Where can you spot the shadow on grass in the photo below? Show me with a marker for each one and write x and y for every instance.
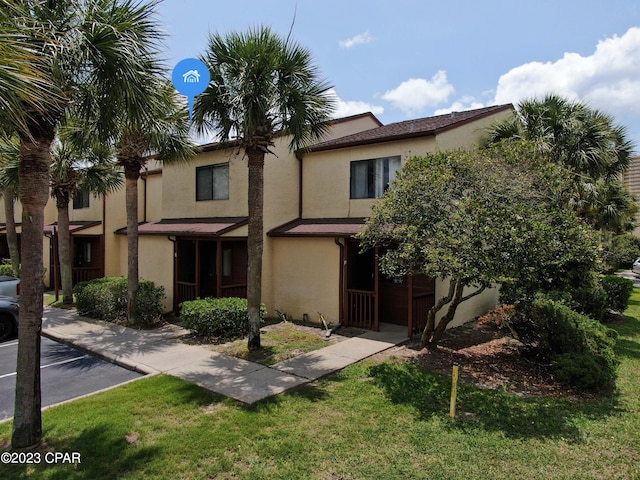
(628, 334)
(489, 410)
(103, 455)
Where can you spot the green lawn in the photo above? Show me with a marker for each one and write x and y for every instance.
(279, 343)
(377, 421)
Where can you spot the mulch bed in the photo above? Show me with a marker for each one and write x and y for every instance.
(488, 359)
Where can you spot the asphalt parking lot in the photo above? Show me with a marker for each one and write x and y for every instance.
(66, 373)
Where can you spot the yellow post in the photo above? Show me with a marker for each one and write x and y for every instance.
(454, 390)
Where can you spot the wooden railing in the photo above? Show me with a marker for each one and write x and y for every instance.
(84, 274)
(186, 291)
(239, 290)
(420, 308)
(361, 309)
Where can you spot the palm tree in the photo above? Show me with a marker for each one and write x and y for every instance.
(584, 140)
(24, 85)
(261, 86)
(164, 135)
(73, 171)
(9, 148)
(100, 56)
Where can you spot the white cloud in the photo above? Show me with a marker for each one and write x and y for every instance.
(609, 79)
(345, 108)
(360, 39)
(416, 94)
(467, 102)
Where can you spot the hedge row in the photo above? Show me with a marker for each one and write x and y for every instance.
(222, 317)
(106, 299)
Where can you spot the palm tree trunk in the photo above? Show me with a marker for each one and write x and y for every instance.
(255, 244)
(12, 236)
(35, 160)
(132, 173)
(64, 248)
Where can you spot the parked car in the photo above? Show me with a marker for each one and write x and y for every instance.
(9, 314)
(9, 286)
(636, 266)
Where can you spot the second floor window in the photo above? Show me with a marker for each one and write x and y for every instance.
(371, 178)
(81, 199)
(212, 182)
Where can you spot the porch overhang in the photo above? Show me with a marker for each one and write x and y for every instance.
(74, 227)
(319, 227)
(193, 227)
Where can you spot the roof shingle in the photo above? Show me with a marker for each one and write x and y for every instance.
(409, 128)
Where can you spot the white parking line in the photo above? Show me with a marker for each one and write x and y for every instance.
(9, 344)
(69, 360)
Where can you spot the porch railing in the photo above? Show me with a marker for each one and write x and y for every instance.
(84, 274)
(186, 291)
(239, 290)
(361, 308)
(420, 308)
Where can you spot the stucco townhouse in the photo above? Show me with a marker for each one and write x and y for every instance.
(194, 223)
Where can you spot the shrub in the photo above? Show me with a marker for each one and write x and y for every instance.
(502, 316)
(584, 371)
(618, 290)
(223, 317)
(591, 302)
(621, 251)
(106, 299)
(6, 269)
(580, 348)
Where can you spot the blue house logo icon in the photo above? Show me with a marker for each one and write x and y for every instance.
(192, 76)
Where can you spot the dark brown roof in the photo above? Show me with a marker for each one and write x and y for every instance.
(208, 147)
(353, 117)
(189, 226)
(409, 128)
(319, 227)
(73, 226)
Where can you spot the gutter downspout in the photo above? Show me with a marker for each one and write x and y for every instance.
(341, 282)
(144, 194)
(299, 157)
(103, 243)
(174, 240)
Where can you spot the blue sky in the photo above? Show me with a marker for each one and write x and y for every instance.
(405, 59)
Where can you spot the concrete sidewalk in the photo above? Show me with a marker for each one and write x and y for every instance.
(160, 351)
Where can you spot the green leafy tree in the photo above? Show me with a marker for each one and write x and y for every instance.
(261, 86)
(477, 218)
(589, 144)
(97, 56)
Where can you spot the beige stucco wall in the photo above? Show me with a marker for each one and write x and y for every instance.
(470, 133)
(469, 309)
(115, 219)
(156, 264)
(306, 277)
(154, 198)
(353, 125)
(179, 188)
(326, 176)
(92, 213)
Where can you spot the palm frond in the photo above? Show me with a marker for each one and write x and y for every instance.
(262, 85)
